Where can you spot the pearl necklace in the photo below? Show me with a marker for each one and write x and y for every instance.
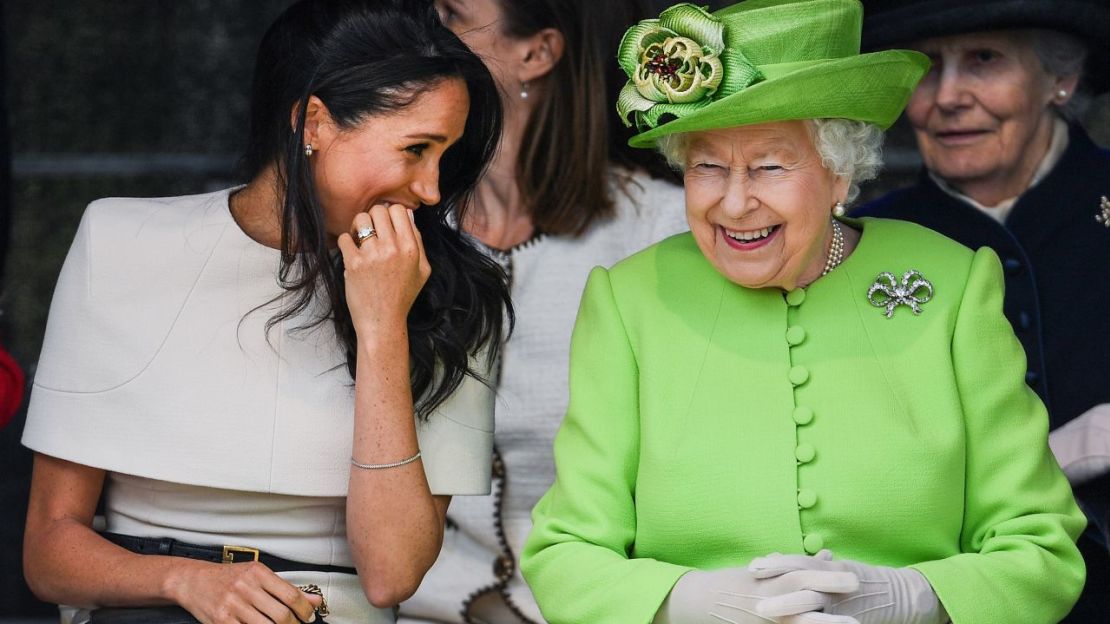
(836, 249)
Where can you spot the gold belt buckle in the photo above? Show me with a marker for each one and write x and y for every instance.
(231, 551)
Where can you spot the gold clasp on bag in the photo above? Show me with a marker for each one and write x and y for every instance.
(231, 551)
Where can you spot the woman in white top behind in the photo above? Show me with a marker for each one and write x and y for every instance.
(239, 371)
(564, 194)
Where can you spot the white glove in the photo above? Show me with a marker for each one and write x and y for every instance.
(1082, 446)
(731, 594)
(885, 595)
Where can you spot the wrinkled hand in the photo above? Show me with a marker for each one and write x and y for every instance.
(384, 275)
(884, 596)
(731, 594)
(1082, 446)
(251, 593)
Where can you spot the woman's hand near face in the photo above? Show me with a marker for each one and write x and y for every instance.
(384, 275)
(394, 524)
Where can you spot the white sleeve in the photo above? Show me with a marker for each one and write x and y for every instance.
(456, 441)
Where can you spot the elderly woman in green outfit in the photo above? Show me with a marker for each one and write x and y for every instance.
(785, 415)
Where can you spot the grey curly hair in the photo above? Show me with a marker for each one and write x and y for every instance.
(1062, 55)
(850, 149)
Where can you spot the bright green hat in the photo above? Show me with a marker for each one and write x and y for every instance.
(758, 61)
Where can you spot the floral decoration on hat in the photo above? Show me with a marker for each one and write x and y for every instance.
(676, 64)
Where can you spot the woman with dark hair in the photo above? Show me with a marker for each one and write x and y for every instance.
(200, 353)
(564, 194)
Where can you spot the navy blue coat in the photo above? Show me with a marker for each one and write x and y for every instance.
(1056, 258)
(1057, 263)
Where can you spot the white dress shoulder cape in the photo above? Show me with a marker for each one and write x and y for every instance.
(157, 367)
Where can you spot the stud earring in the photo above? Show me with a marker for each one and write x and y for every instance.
(524, 90)
(308, 149)
(838, 209)
(1062, 93)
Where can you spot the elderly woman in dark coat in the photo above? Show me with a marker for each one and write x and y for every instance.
(1006, 165)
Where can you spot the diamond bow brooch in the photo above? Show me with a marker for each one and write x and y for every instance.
(888, 293)
(1103, 215)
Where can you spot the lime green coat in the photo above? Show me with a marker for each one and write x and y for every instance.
(710, 424)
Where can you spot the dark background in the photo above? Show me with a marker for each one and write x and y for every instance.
(134, 98)
(104, 98)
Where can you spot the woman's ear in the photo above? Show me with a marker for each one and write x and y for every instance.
(316, 117)
(1064, 89)
(542, 52)
(841, 186)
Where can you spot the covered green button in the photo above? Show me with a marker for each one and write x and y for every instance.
(805, 452)
(796, 297)
(798, 375)
(813, 543)
(803, 415)
(807, 499)
(795, 335)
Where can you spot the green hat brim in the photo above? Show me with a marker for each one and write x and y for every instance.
(871, 87)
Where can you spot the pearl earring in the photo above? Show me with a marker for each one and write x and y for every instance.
(308, 149)
(1062, 93)
(524, 90)
(838, 209)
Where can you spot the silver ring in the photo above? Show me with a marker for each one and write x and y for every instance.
(364, 233)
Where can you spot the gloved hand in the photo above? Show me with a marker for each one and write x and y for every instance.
(1082, 446)
(731, 594)
(885, 595)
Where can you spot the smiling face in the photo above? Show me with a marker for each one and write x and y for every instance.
(391, 158)
(982, 114)
(759, 202)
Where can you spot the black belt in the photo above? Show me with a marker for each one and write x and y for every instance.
(216, 554)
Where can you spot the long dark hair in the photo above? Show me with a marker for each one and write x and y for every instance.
(364, 58)
(574, 133)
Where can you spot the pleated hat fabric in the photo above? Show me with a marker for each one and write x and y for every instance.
(778, 60)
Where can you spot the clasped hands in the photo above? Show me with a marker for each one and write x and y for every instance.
(799, 589)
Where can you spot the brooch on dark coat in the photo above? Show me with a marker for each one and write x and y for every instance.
(887, 292)
(1103, 215)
